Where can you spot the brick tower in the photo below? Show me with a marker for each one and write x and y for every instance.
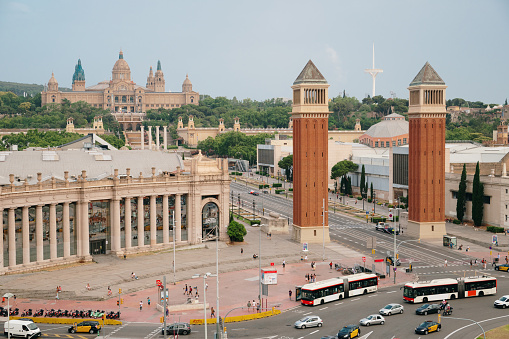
(426, 155)
(310, 115)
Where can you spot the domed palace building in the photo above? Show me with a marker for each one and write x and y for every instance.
(391, 131)
(121, 95)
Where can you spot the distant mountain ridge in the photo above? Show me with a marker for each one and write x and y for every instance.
(20, 88)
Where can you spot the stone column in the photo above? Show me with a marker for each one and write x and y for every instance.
(85, 236)
(115, 227)
(141, 222)
(165, 138)
(127, 223)
(157, 138)
(67, 229)
(178, 217)
(52, 231)
(39, 243)
(142, 137)
(166, 229)
(26, 236)
(2, 238)
(150, 137)
(153, 226)
(12, 237)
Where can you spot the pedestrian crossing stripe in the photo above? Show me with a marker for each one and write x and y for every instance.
(75, 336)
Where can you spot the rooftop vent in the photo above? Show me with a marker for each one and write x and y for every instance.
(50, 156)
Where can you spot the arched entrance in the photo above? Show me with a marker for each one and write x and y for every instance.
(209, 221)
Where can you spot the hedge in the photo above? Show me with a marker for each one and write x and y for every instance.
(390, 206)
(369, 200)
(263, 186)
(359, 198)
(253, 222)
(350, 196)
(378, 219)
(495, 229)
(236, 173)
(456, 221)
(290, 189)
(279, 191)
(277, 185)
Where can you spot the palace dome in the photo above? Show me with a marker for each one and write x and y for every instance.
(187, 81)
(121, 64)
(52, 80)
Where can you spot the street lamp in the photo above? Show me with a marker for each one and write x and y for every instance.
(8, 296)
(239, 204)
(205, 276)
(219, 334)
(374, 202)
(260, 266)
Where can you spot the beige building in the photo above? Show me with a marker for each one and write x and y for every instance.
(59, 207)
(121, 95)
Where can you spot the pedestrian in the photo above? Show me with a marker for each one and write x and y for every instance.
(241, 250)
(306, 276)
(185, 290)
(167, 311)
(212, 312)
(284, 263)
(330, 265)
(445, 263)
(258, 307)
(506, 259)
(88, 287)
(15, 303)
(290, 294)
(190, 291)
(148, 301)
(109, 290)
(196, 293)
(141, 305)
(470, 262)
(475, 261)
(248, 305)
(206, 286)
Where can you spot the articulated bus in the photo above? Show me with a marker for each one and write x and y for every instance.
(325, 291)
(449, 288)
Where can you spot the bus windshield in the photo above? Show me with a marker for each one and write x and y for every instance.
(308, 295)
(408, 292)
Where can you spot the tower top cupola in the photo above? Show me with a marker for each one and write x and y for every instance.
(79, 73)
(427, 92)
(187, 86)
(52, 83)
(310, 91)
(310, 75)
(158, 65)
(121, 70)
(427, 76)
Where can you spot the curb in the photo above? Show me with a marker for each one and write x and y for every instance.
(69, 321)
(238, 318)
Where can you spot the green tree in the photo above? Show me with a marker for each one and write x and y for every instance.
(477, 198)
(236, 231)
(341, 168)
(363, 182)
(462, 190)
(372, 192)
(287, 164)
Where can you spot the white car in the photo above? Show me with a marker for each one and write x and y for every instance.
(309, 321)
(373, 319)
(503, 302)
(391, 309)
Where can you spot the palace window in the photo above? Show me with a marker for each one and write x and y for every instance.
(116, 99)
(131, 99)
(124, 99)
(393, 142)
(376, 143)
(399, 142)
(404, 141)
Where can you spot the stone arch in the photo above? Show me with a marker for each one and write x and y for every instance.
(210, 217)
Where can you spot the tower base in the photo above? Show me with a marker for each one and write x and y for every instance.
(427, 230)
(310, 234)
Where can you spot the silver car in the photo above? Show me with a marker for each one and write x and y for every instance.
(391, 309)
(309, 321)
(373, 319)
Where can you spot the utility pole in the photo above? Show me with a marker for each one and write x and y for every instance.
(164, 304)
(395, 254)
(174, 243)
(219, 333)
(323, 228)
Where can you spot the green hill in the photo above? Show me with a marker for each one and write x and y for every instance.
(19, 88)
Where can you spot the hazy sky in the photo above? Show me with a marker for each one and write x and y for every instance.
(256, 49)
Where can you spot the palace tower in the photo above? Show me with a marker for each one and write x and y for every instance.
(426, 155)
(310, 116)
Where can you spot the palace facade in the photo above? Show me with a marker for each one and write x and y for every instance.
(120, 94)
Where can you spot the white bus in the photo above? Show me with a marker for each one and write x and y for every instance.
(449, 288)
(321, 292)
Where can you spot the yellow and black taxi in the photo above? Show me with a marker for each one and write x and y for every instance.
(88, 326)
(427, 327)
(349, 331)
(503, 267)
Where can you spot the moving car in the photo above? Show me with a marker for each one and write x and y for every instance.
(502, 302)
(503, 267)
(178, 328)
(349, 331)
(428, 308)
(374, 319)
(381, 226)
(254, 193)
(427, 327)
(88, 326)
(309, 321)
(390, 260)
(391, 309)
(391, 230)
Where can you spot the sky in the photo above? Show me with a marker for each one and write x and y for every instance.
(256, 49)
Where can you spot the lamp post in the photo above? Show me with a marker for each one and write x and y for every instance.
(260, 266)
(374, 202)
(8, 296)
(323, 228)
(232, 202)
(239, 203)
(205, 276)
(219, 333)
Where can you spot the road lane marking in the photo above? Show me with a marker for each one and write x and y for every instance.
(355, 299)
(391, 292)
(324, 308)
(338, 303)
(307, 313)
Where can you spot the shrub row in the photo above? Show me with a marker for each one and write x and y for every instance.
(277, 185)
(279, 191)
(263, 186)
(378, 219)
(495, 229)
(456, 221)
(254, 222)
(236, 173)
(290, 189)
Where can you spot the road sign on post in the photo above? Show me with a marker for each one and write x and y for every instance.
(364, 259)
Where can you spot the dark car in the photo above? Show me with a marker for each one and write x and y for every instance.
(178, 328)
(88, 326)
(503, 267)
(254, 193)
(428, 309)
(349, 331)
(391, 230)
(427, 327)
(390, 261)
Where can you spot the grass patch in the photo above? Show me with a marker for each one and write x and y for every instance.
(501, 332)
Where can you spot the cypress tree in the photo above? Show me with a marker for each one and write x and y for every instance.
(350, 186)
(477, 198)
(462, 191)
(363, 179)
(371, 189)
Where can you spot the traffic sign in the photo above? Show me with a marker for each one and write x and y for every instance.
(379, 260)
(364, 259)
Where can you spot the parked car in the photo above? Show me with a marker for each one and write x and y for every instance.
(349, 331)
(427, 327)
(428, 309)
(374, 319)
(309, 321)
(391, 309)
(178, 328)
(502, 302)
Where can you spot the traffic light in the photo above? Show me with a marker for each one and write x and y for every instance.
(397, 255)
(119, 291)
(122, 301)
(118, 303)
(372, 251)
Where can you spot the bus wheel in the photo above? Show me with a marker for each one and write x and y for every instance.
(481, 294)
(453, 297)
(365, 292)
(425, 299)
(322, 302)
